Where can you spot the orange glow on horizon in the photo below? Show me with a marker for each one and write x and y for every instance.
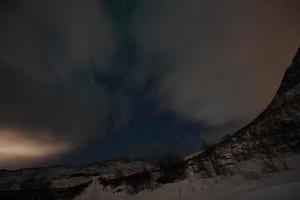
(14, 145)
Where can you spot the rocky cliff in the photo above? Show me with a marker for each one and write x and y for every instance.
(265, 141)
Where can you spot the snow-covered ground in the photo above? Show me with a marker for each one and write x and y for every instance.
(97, 192)
(93, 192)
(284, 185)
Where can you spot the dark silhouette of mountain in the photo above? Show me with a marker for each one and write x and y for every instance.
(274, 133)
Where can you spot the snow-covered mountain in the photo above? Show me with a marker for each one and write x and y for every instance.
(265, 141)
(64, 182)
(258, 161)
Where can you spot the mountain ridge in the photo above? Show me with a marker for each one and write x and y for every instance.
(274, 131)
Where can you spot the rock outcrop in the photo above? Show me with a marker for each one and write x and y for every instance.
(265, 141)
(64, 182)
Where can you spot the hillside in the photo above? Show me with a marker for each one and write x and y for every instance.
(266, 140)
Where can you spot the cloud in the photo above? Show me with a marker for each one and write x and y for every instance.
(17, 148)
(217, 63)
(227, 58)
(59, 37)
(47, 51)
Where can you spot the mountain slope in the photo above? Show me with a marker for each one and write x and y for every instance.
(275, 132)
(63, 182)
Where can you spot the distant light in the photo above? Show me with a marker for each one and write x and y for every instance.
(15, 145)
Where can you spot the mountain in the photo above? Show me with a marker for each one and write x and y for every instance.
(63, 182)
(268, 145)
(266, 140)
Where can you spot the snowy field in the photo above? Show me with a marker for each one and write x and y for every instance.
(279, 186)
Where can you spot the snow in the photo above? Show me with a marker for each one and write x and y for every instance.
(286, 191)
(97, 192)
(93, 192)
(277, 186)
(285, 185)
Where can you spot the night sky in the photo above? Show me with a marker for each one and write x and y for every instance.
(88, 80)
